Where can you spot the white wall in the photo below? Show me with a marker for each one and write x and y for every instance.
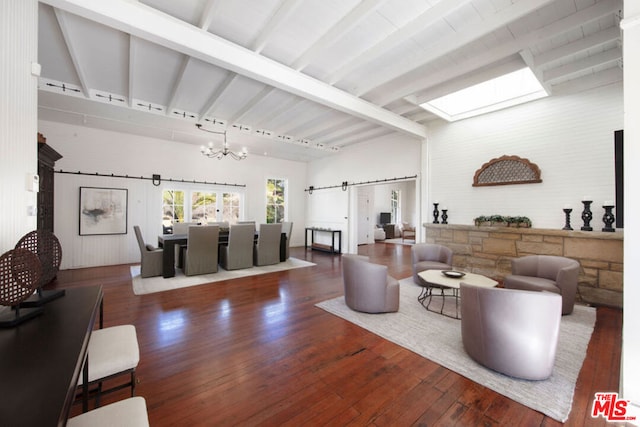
(571, 139)
(92, 150)
(18, 124)
(630, 371)
(384, 158)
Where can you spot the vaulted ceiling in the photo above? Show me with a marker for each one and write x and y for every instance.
(301, 79)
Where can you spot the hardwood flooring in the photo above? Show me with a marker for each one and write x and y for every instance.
(255, 351)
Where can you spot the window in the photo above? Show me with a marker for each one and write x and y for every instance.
(505, 91)
(172, 207)
(231, 207)
(395, 206)
(276, 197)
(203, 206)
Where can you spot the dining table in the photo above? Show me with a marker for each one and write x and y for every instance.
(168, 243)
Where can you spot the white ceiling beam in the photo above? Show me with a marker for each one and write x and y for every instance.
(209, 12)
(251, 104)
(411, 83)
(594, 40)
(417, 25)
(442, 47)
(62, 19)
(147, 23)
(204, 23)
(132, 62)
(343, 26)
(562, 72)
(173, 98)
(284, 11)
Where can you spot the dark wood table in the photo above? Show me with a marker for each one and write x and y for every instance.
(41, 360)
(323, 247)
(168, 242)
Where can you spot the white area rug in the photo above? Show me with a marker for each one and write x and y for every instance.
(439, 339)
(150, 285)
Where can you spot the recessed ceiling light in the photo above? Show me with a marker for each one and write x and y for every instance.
(505, 91)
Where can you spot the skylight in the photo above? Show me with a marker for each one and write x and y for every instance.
(505, 91)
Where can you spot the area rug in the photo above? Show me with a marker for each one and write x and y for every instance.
(150, 285)
(439, 339)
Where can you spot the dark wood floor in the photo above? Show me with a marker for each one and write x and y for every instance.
(255, 351)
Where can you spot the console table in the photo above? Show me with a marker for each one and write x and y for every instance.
(42, 358)
(322, 247)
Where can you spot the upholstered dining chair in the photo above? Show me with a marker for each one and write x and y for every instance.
(429, 256)
(267, 249)
(150, 257)
(287, 228)
(131, 412)
(181, 228)
(368, 286)
(238, 252)
(201, 255)
(546, 273)
(514, 332)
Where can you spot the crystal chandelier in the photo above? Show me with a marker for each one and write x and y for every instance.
(219, 153)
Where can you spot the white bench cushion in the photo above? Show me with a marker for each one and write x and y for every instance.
(131, 412)
(112, 350)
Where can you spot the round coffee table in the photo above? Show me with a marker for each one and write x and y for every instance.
(436, 279)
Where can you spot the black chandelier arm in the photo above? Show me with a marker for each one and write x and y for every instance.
(199, 126)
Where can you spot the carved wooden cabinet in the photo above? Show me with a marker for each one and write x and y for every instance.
(47, 158)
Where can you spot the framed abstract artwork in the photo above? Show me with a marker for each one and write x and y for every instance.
(103, 211)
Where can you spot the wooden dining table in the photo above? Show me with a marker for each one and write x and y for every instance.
(168, 243)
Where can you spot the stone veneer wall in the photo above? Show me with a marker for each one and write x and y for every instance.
(489, 251)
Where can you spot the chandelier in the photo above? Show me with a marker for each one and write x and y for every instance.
(219, 153)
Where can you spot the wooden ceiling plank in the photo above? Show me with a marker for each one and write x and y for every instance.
(361, 137)
(251, 104)
(407, 86)
(286, 8)
(564, 71)
(603, 78)
(293, 103)
(443, 47)
(343, 26)
(215, 96)
(591, 41)
(414, 27)
(332, 127)
(63, 22)
(304, 127)
(145, 22)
